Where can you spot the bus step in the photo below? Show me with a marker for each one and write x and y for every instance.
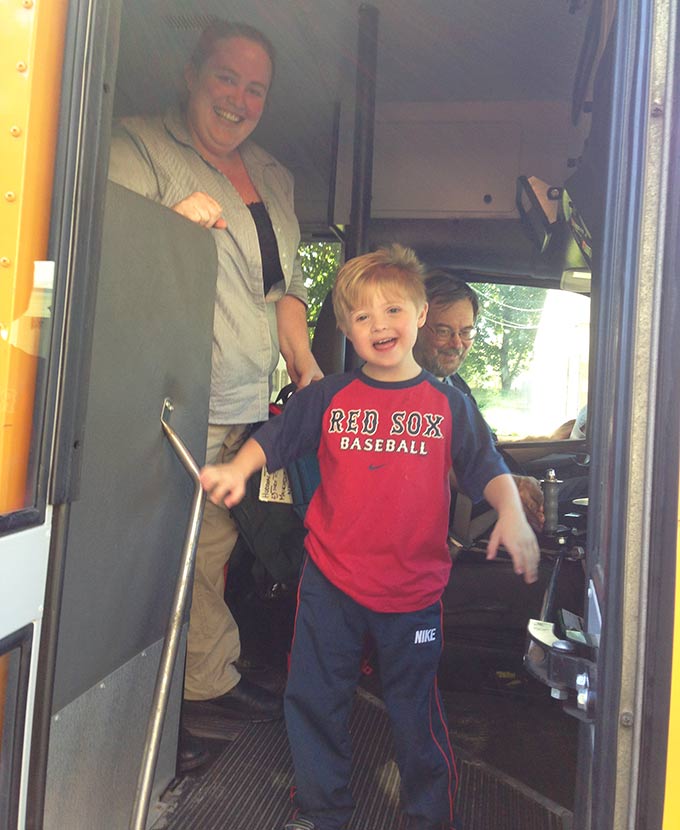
(248, 786)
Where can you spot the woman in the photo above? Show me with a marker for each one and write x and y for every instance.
(200, 161)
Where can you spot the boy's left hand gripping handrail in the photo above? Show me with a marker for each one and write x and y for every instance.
(169, 655)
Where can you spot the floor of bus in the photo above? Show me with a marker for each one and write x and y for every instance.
(516, 755)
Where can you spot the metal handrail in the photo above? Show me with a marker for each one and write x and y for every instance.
(166, 668)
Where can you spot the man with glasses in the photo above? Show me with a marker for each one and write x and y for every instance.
(442, 346)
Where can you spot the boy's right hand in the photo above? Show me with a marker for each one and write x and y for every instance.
(223, 483)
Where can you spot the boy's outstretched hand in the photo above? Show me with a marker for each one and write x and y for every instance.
(223, 483)
(226, 483)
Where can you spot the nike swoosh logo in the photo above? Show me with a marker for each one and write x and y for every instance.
(375, 466)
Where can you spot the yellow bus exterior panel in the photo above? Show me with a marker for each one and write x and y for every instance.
(671, 814)
(31, 56)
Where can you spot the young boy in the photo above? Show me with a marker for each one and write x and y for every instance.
(377, 561)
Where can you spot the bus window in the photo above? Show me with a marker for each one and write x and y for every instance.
(30, 108)
(320, 262)
(23, 352)
(15, 652)
(528, 368)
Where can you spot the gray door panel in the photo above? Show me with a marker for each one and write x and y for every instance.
(152, 340)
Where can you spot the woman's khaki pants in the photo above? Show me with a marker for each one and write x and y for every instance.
(213, 644)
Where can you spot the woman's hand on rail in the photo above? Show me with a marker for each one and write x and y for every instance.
(201, 209)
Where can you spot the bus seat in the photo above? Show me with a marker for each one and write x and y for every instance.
(328, 343)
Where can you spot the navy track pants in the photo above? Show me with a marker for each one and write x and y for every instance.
(330, 630)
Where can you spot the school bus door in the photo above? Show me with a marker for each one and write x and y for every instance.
(95, 503)
(620, 689)
(31, 44)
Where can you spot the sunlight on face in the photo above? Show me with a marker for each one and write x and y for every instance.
(444, 357)
(383, 329)
(227, 95)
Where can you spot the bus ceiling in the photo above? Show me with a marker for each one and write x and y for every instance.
(468, 98)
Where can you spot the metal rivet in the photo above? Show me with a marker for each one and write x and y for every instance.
(10, 196)
(22, 66)
(657, 109)
(102, 685)
(56, 717)
(626, 719)
(15, 131)
(27, 4)
(5, 262)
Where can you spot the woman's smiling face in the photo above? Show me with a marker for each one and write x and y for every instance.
(227, 95)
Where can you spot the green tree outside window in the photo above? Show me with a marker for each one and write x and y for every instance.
(508, 320)
(320, 262)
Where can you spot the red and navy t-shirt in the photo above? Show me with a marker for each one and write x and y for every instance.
(377, 524)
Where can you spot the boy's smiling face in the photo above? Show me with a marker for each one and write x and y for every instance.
(383, 329)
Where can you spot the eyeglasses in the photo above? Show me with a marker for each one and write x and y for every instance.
(444, 333)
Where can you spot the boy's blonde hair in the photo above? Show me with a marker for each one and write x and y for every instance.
(394, 267)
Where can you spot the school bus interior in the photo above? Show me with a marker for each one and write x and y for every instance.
(483, 124)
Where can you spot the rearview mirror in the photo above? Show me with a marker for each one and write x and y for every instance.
(538, 204)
